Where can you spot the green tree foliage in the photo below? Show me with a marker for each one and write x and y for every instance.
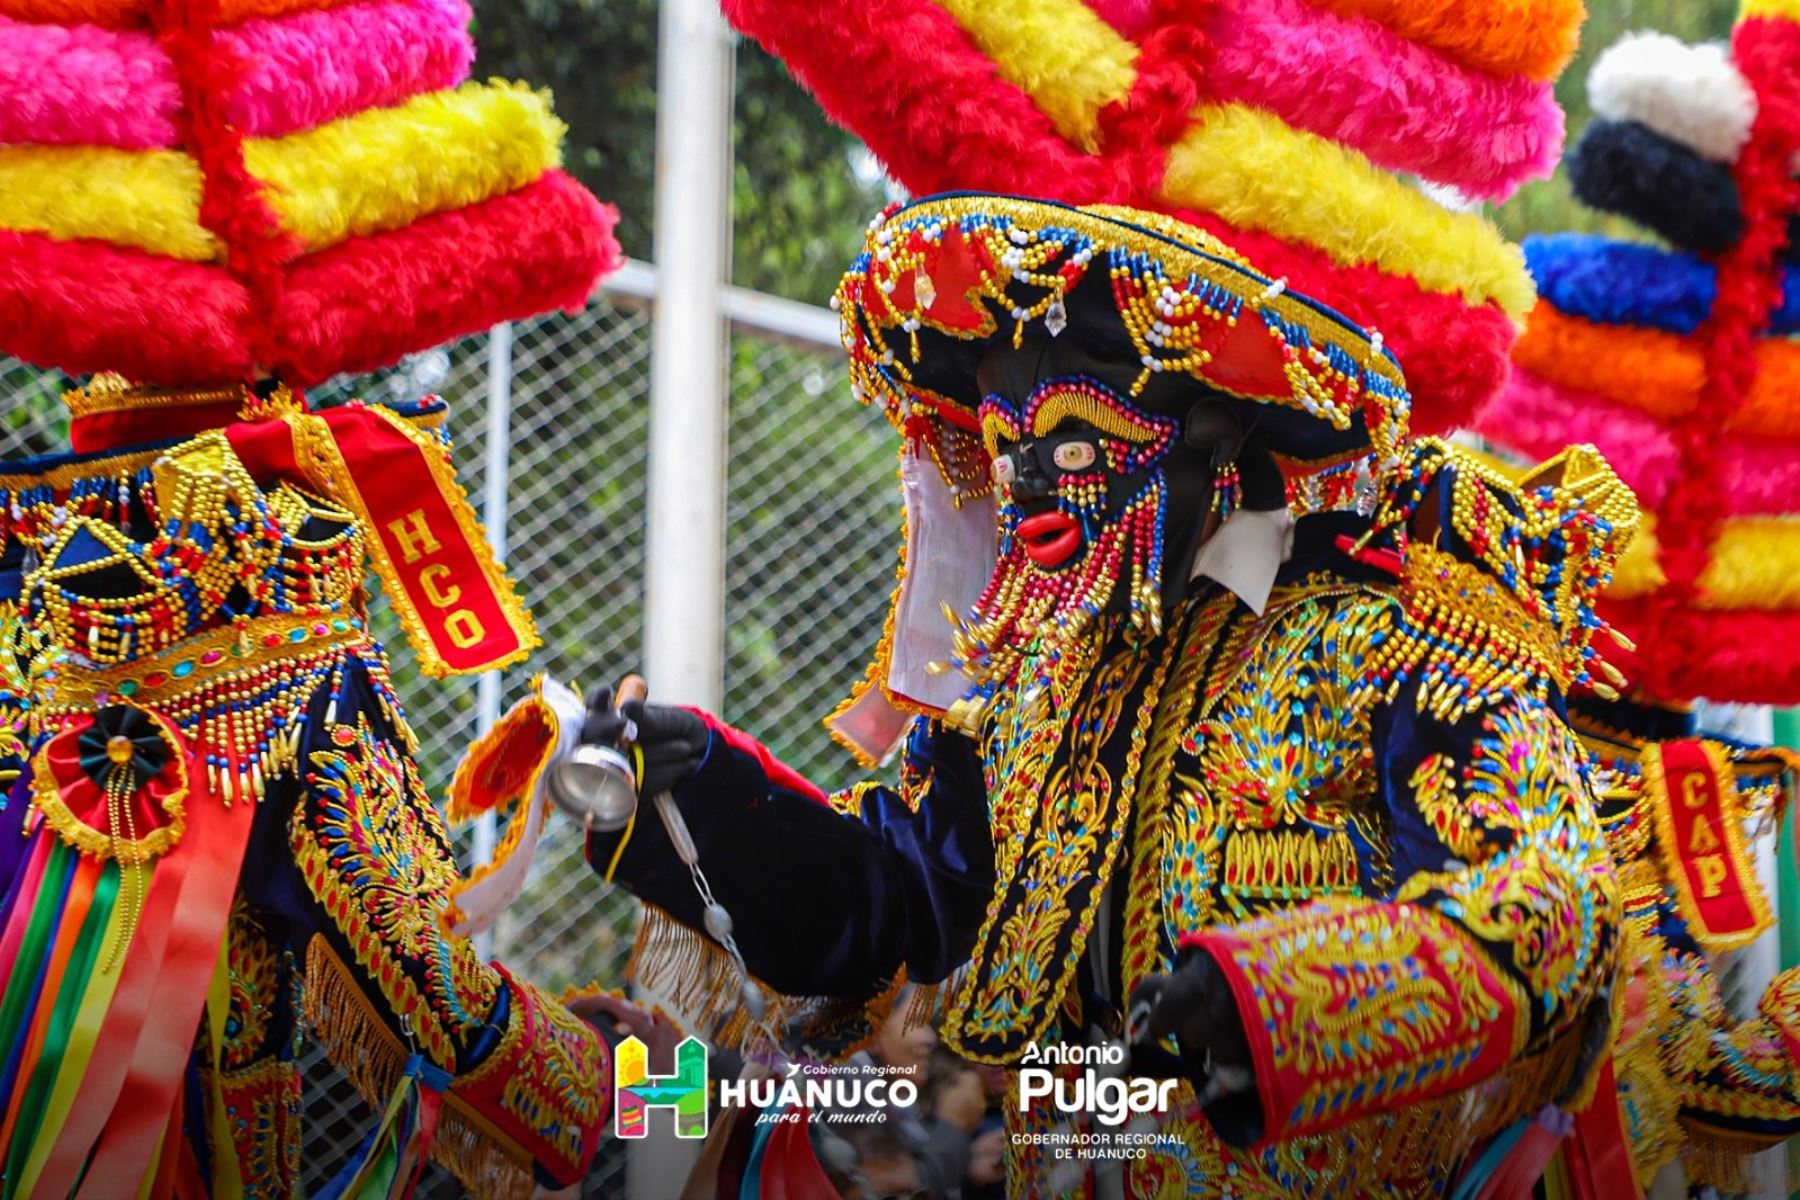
(799, 204)
(599, 57)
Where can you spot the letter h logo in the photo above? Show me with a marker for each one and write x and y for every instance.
(636, 1091)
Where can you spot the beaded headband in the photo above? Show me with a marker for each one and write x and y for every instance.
(944, 279)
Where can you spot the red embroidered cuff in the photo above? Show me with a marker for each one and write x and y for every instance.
(1355, 1009)
(546, 1088)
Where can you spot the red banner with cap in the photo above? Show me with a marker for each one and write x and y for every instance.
(1699, 828)
(440, 575)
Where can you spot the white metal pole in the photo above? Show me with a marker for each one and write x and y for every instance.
(684, 604)
(495, 482)
(1758, 963)
(684, 584)
(1768, 1170)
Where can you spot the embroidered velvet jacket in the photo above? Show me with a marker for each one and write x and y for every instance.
(1412, 899)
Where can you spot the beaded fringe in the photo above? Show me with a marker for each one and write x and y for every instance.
(360, 1045)
(1461, 662)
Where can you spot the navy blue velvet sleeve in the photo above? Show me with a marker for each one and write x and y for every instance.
(826, 899)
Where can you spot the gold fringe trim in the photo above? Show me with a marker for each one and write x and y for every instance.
(476, 1152)
(1443, 1130)
(694, 977)
(1719, 1162)
(924, 1004)
(471, 793)
(360, 1044)
(470, 798)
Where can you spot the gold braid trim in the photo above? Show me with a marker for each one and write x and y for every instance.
(107, 393)
(360, 1044)
(1145, 923)
(221, 655)
(850, 801)
(62, 477)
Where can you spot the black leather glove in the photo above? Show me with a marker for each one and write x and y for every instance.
(1196, 1006)
(673, 740)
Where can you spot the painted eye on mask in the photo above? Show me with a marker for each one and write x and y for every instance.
(1002, 469)
(1073, 456)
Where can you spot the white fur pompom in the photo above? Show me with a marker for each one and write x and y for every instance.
(1691, 94)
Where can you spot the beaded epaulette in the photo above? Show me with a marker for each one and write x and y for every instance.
(1497, 578)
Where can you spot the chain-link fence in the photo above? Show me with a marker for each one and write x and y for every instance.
(813, 526)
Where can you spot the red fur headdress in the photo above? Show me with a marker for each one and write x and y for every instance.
(1280, 126)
